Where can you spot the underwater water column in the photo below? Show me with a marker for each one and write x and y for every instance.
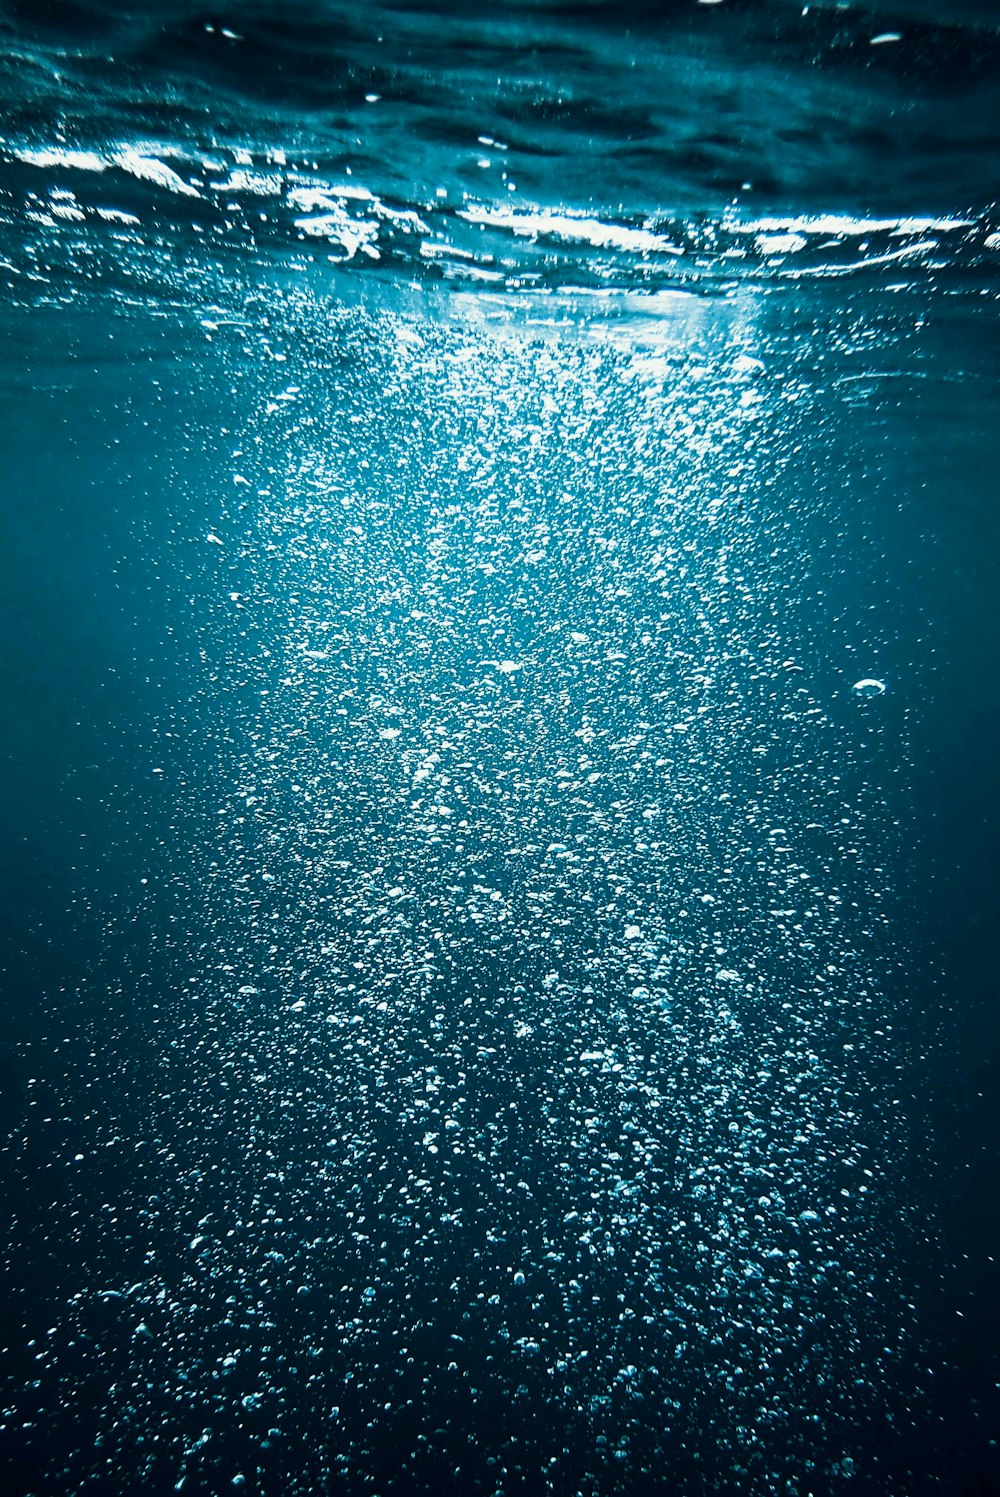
(500, 726)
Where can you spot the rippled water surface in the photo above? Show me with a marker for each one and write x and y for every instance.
(500, 726)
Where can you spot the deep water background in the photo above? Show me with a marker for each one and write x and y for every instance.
(336, 993)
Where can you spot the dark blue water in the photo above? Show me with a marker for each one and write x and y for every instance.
(500, 728)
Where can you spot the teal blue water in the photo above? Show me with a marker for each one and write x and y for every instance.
(500, 726)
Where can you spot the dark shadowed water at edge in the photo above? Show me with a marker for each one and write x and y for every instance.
(500, 725)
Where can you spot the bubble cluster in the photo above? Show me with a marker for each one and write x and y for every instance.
(519, 1103)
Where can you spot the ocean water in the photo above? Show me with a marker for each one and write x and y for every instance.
(500, 723)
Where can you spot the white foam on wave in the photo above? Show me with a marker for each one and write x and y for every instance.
(56, 156)
(152, 169)
(841, 225)
(540, 223)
